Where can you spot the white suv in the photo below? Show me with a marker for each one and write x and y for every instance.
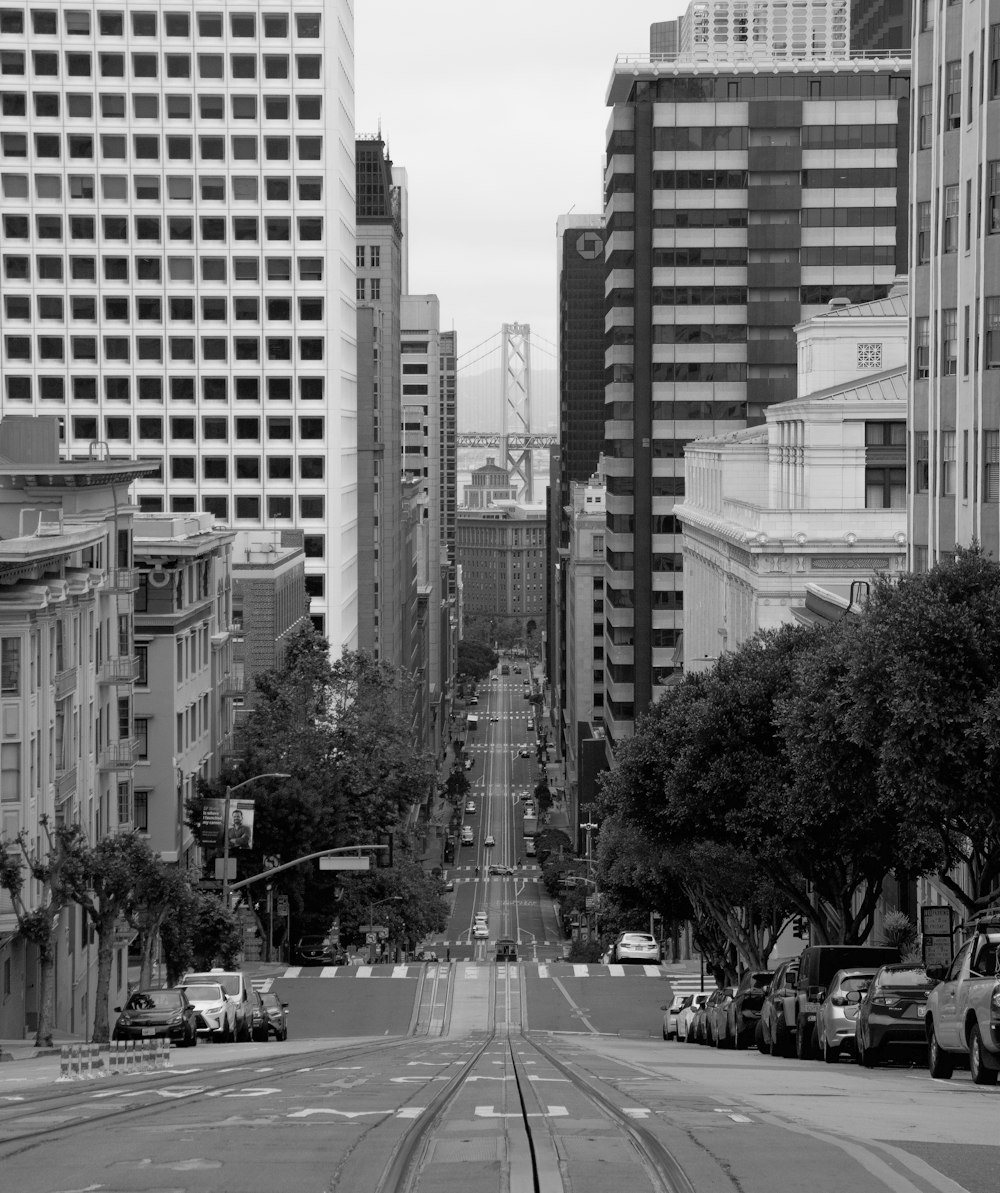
(236, 986)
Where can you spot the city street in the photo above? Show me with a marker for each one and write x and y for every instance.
(568, 1055)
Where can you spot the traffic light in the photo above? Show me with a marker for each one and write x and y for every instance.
(800, 927)
(384, 856)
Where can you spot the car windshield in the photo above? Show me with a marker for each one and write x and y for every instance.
(311, 942)
(907, 979)
(205, 993)
(858, 981)
(152, 1000)
(636, 938)
(760, 980)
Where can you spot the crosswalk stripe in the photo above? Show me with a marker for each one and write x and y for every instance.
(680, 983)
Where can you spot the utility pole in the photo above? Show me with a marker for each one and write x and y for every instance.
(225, 826)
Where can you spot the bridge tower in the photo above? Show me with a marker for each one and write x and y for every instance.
(517, 443)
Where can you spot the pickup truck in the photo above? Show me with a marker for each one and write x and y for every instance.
(962, 1019)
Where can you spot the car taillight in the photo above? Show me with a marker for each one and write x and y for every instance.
(995, 1003)
(885, 1000)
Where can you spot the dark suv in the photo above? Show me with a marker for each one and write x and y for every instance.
(817, 965)
(743, 1012)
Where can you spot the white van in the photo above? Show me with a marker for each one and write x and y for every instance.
(467, 834)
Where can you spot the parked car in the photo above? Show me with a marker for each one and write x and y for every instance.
(636, 946)
(215, 1011)
(158, 1015)
(890, 1018)
(717, 1020)
(686, 1016)
(425, 955)
(963, 1007)
(277, 1015)
(743, 1012)
(838, 1009)
(470, 805)
(313, 950)
(817, 966)
(259, 1030)
(671, 1011)
(776, 1030)
(531, 722)
(236, 985)
(703, 1019)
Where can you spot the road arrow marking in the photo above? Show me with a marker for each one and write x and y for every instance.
(410, 1112)
(248, 1091)
(561, 1080)
(489, 1112)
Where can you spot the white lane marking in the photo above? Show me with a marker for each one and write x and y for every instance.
(616, 971)
(11, 1098)
(365, 971)
(737, 1118)
(338, 1113)
(578, 1011)
(652, 971)
(505, 1077)
(248, 1091)
(581, 971)
(543, 971)
(399, 971)
(419, 1080)
(293, 971)
(560, 1080)
(636, 1111)
(410, 1112)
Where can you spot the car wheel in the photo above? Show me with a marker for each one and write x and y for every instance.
(830, 1055)
(761, 1040)
(939, 1064)
(666, 1034)
(869, 1056)
(804, 1040)
(980, 1074)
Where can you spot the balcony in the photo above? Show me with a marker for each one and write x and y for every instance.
(119, 755)
(122, 669)
(65, 684)
(122, 580)
(234, 686)
(65, 784)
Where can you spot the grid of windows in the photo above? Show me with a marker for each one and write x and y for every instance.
(163, 241)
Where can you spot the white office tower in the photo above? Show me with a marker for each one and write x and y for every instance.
(734, 29)
(177, 236)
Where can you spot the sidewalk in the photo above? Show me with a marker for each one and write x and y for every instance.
(432, 833)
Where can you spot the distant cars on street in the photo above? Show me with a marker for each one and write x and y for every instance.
(672, 1011)
(686, 1016)
(744, 1010)
(215, 1011)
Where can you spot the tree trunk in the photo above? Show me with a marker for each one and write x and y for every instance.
(105, 955)
(46, 983)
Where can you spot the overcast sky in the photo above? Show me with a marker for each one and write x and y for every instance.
(497, 113)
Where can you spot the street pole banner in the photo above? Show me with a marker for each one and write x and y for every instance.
(239, 829)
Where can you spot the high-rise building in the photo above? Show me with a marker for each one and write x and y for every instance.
(379, 263)
(178, 241)
(954, 403)
(740, 200)
(428, 379)
(580, 351)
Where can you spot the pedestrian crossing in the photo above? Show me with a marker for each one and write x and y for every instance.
(474, 970)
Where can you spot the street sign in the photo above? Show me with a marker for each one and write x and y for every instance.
(344, 863)
(220, 863)
(282, 905)
(369, 938)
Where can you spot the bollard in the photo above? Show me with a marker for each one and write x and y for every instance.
(64, 1073)
(74, 1060)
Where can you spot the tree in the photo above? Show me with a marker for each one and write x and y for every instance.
(476, 659)
(103, 879)
(204, 934)
(339, 729)
(164, 896)
(37, 925)
(926, 681)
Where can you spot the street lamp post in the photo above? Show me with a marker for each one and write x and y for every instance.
(588, 828)
(225, 826)
(371, 921)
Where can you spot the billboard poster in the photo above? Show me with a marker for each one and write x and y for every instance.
(240, 827)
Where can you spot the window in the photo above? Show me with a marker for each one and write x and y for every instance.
(950, 224)
(309, 107)
(248, 507)
(279, 507)
(311, 506)
(10, 772)
(991, 465)
(948, 462)
(926, 109)
(994, 61)
(276, 26)
(307, 24)
(10, 666)
(949, 341)
(308, 66)
(991, 325)
(923, 233)
(359, 289)
(276, 107)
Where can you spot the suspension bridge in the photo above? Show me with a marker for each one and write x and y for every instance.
(496, 384)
